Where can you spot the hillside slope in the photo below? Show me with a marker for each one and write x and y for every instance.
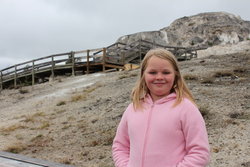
(73, 120)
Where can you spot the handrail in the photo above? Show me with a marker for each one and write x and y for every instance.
(88, 56)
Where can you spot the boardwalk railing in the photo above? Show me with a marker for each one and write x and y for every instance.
(51, 64)
(85, 61)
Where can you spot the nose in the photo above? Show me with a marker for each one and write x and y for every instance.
(159, 76)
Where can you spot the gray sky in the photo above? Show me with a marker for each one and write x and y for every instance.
(30, 29)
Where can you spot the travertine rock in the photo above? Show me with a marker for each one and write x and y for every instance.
(205, 29)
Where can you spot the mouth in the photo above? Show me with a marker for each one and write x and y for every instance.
(159, 83)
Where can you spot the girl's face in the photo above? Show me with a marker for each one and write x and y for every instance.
(159, 77)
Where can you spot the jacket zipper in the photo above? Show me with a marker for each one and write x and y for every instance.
(146, 135)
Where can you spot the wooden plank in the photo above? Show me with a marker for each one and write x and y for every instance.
(90, 50)
(115, 66)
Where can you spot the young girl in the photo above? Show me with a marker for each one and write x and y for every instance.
(162, 127)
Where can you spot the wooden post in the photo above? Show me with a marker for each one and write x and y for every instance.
(1, 79)
(52, 67)
(15, 77)
(33, 73)
(87, 61)
(73, 62)
(140, 50)
(104, 59)
(123, 58)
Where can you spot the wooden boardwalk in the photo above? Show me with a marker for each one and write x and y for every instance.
(15, 160)
(115, 56)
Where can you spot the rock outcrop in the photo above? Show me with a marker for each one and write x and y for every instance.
(205, 29)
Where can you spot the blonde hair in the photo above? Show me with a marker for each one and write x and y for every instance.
(179, 87)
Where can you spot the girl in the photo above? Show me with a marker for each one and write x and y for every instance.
(162, 127)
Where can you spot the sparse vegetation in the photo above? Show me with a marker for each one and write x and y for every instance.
(11, 128)
(60, 111)
(23, 91)
(15, 148)
(76, 98)
(190, 77)
(127, 75)
(36, 138)
(237, 115)
(32, 118)
(44, 125)
(240, 70)
(123, 76)
(65, 160)
(207, 80)
(223, 74)
(204, 110)
(92, 88)
(61, 103)
(29, 118)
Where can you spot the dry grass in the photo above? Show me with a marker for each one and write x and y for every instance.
(190, 77)
(44, 125)
(127, 75)
(40, 141)
(11, 128)
(76, 98)
(15, 148)
(240, 115)
(36, 138)
(60, 103)
(207, 80)
(204, 110)
(32, 118)
(66, 160)
(60, 111)
(23, 91)
(223, 74)
(86, 92)
(92, 88)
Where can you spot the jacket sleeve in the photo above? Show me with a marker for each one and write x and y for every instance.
(121, 143)
(195, 133)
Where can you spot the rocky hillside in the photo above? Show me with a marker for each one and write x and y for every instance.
(205, 29)
(73, 120)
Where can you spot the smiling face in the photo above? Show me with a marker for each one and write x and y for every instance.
(159, 77)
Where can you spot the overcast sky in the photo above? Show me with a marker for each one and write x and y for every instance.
(30, 29)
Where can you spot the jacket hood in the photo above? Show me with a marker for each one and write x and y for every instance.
(148, 99)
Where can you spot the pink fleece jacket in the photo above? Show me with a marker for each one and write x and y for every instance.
(161, 135)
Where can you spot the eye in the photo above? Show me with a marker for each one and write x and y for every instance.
(152, 72)
(166, 72)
